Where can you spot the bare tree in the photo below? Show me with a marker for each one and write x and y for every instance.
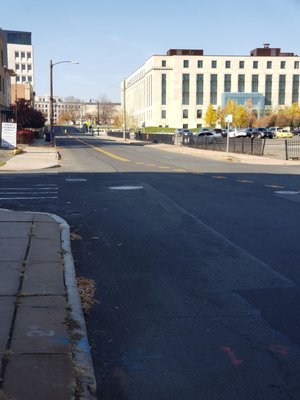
(106, 110)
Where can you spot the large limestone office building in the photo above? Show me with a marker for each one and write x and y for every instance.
(175, 90)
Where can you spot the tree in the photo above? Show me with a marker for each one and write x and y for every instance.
(106, 110)
(27, 117)
(210, 116)
(241, 116)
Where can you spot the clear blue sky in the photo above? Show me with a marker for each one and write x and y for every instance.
(111, 39)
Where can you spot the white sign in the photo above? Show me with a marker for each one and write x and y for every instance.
(9, 135)
(228, 118)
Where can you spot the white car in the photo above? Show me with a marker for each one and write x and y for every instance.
(237, 133)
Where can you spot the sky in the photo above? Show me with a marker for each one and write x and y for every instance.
(112, 39)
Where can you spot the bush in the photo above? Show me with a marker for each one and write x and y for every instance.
(25, 136)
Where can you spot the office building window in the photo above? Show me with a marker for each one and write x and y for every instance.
(163, 114)
(281, 94)
(18, 79)
(199, 113)
(23, 67)
(17, 54)
(227, 83)
(22, 54)
(269, 64)
(282, 64)
(255, 64)
(185, 88)
(185, 126)
(28, 55)
(295, 90)
(227, 64)
(164, 63)
(214, 64)
(268, 90)
(213, 88)
(185, 113)
(17, 67)
(296, 65)
(29, 79)
(164, 89)
(185, 63)
(23, 79)
(199, 89)
(29, 67)
(242, 64)
(241, 83)
(254, 84)
(200, 63)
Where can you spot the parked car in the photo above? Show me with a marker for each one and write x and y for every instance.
(234, 133)
(210, 136)
(296, 131)
(185, 134)
(265, 133)
(283, 133)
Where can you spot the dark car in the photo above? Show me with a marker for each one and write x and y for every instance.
(296, 131)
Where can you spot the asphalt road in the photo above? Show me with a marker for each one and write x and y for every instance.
(195, 262)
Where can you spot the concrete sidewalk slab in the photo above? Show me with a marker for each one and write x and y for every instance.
(10, 272)
(33, 158)
(44, 351)
(40, 377)
(43, 278)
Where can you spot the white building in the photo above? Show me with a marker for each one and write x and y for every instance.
(80, 111)
(175, 90)
(20, 60)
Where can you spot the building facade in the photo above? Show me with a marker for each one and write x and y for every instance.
(20, 60)
(80, 111)
(175, 90)
(5, 78)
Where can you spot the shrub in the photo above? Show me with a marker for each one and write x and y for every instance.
(25, 136)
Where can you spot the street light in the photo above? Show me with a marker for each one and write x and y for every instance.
(124, 109)
(51, 94)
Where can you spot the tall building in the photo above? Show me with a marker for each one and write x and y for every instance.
(5, 77)
(20, 60)
(175, 90)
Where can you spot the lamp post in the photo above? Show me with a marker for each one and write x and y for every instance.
(98, 113)
(124, 109)
(51, 95)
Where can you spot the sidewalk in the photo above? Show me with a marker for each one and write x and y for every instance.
(40, 155)
(44, 350)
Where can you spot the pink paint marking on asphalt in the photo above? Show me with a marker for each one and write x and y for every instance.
(283, 350)
(232, 356)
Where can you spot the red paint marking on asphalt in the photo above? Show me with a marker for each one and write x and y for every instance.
(232, 357)
(280, 350)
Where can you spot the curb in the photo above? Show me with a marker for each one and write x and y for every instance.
(82, 355)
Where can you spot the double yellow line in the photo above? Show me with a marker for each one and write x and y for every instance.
(107, 153)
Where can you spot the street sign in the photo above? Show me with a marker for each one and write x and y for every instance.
(9, 135)
(228, 118)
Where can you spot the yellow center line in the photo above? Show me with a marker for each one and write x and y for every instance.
(140, 163)
(107, 153)
(180, 170)
(164, 167)
(151, 165)
(219, 177)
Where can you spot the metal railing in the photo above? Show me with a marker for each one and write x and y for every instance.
(236, 145)
(292, 149)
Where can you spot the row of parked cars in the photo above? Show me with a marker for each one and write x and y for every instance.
(213, 135)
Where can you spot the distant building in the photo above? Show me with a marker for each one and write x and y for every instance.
(80, 111)
(175, 90)
(20, 59)
(5, 77)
